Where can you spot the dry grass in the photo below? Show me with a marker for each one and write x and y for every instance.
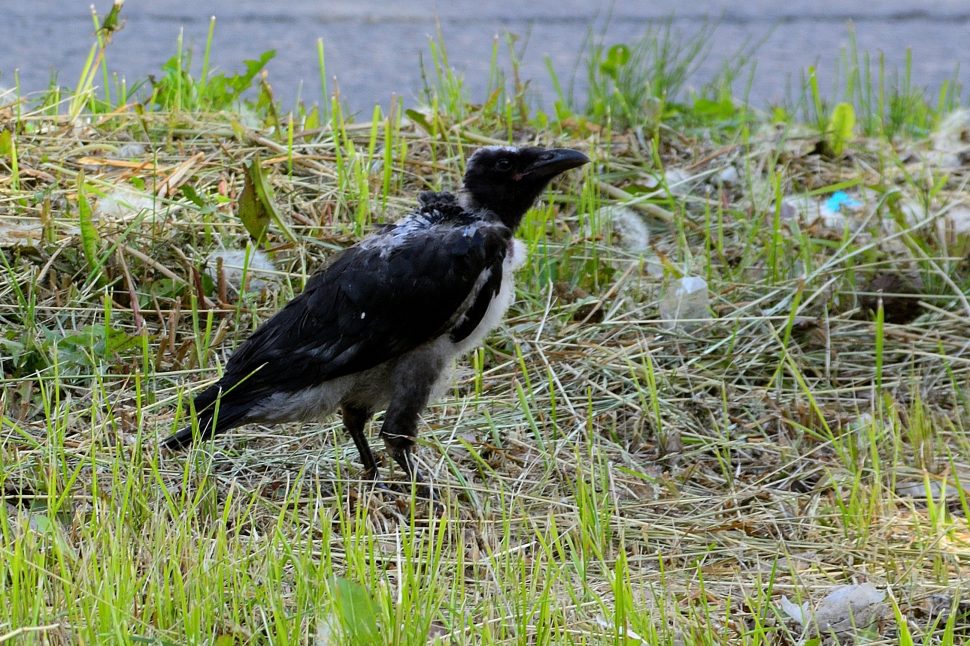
(604, 477)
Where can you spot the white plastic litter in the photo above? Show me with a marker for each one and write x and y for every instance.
(259, 272)
(20, 232)
(129, 150)
(678, 181)
(728, 176)
(950, 140)
(249, 118)
(685, 304)
(835, 212)
(844, 609)
(326, 635)
(958, 219)
(123, 203)
(631, 233)
(954, 220)
(630, 636)
(630, 230)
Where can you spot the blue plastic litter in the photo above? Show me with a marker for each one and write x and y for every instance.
(839, 199)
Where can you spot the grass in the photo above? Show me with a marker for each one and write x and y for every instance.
(606, 479)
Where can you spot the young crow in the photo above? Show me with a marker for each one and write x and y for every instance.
(381, 325)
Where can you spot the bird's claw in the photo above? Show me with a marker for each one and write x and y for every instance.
(418, 486)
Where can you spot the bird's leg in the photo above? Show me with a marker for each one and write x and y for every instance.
(413, 383)
(355, 420)
(399, 432)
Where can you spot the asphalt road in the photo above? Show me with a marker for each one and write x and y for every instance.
(373, 46)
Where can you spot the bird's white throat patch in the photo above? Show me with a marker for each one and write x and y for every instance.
(514, 259)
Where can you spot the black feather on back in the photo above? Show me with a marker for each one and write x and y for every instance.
(441, 203)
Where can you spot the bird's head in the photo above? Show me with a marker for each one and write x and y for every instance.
(508, 180)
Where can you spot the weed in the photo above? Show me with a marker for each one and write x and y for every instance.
(605, 479)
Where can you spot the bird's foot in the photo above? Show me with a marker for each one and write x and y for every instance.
(423, 490)
(373, 477)
(402, 491)
(415, 482)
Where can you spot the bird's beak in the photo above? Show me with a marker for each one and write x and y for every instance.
(555, 161)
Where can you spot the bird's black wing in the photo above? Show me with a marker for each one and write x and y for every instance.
(376, 301)
(372, 304)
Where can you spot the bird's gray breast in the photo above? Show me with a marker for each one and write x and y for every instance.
(370, 388)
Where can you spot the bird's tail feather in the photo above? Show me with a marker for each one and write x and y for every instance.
(178, 440)
(205, 407)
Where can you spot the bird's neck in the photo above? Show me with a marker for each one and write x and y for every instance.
(510, 214)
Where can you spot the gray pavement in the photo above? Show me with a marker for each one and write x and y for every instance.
(373, 47)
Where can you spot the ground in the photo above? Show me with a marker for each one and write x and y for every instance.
(609, 472)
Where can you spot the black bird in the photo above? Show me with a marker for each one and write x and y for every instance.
(381, 325)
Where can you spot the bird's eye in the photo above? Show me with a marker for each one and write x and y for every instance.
(503, 164)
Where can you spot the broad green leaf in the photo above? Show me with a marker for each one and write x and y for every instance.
(616, 57)
(563, 111)
(112, 22)
(357, 610)
(721, 110)
(192, 195)
(90, 240)
(840, 127)
(312, 119)
(419, 119)
(255, 207)
(6, 144)
(242, 82)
